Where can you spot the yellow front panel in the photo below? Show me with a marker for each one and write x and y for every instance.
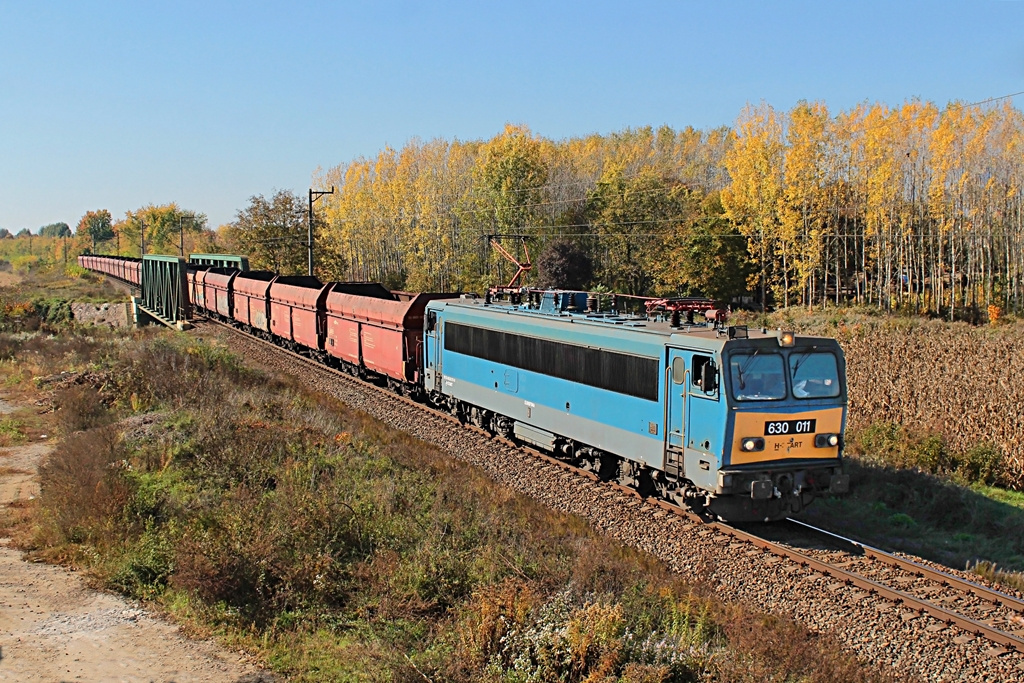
(784, 446)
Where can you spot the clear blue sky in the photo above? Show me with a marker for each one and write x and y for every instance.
(120, 104)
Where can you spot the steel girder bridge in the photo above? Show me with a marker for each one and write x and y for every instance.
(164, 285)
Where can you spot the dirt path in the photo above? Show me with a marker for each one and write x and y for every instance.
(54, 628)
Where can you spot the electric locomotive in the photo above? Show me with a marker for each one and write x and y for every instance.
(744, 424)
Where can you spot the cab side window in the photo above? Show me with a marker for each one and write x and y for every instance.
(678, 370)
(703, 375)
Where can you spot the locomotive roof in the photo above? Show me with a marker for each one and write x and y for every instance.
(647, 331)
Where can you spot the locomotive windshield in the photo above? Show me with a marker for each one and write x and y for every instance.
(814, 374)
(757, 376)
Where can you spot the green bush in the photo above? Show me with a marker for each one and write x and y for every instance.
(902, 521)
(54, 311)
(143, 568)
(892, 445)
(982, 464)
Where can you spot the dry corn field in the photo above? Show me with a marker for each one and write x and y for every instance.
(964, 382)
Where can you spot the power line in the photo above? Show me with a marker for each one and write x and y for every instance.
(994, 99)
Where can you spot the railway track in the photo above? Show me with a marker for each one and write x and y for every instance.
(863, 574)
(949, 599)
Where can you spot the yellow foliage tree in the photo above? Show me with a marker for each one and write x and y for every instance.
(755, 165)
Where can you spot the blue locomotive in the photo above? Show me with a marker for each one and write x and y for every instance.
(745, 424)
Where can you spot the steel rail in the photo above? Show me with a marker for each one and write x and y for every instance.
(898, 597)
(873, 587)
(942, 578)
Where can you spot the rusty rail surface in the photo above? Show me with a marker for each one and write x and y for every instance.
(873, 587)
(924, 571)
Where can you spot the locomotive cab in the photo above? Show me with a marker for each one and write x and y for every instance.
(786, 411)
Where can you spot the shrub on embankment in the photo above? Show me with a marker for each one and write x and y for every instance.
(339, 548)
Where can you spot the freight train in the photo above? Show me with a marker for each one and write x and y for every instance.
(745, 425)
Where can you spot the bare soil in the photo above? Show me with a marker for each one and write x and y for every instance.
(112, 315)
(9, 279)
(53, 627)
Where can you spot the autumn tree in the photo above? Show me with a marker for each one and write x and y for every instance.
(274, 233)
(914, 206)
(509, 187)
(364, 223)
(751, 201)
(55, 230)
(161, 229)
(564, 264)
(802, 202)
(633, 217)
(707, 257)
(96, 226)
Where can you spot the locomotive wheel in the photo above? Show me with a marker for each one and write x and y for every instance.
(609, 468)
(645, 482)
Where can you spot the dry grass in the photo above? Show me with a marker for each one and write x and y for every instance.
(991, 571)
(81, 482)
(8, 279)
(19, 522)
(79, 408)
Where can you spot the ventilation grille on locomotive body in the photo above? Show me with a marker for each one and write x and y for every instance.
(619, 372)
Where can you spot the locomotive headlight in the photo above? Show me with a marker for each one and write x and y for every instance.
(754, 443)
(787, 338)
(826, 440)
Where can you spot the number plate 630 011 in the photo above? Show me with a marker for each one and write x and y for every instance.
(783, 427)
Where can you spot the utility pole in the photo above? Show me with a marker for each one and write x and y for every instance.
(313, 196)
(142, 234)
(181, 236)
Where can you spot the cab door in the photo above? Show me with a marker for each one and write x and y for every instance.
(432, 347)
(677, 374)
